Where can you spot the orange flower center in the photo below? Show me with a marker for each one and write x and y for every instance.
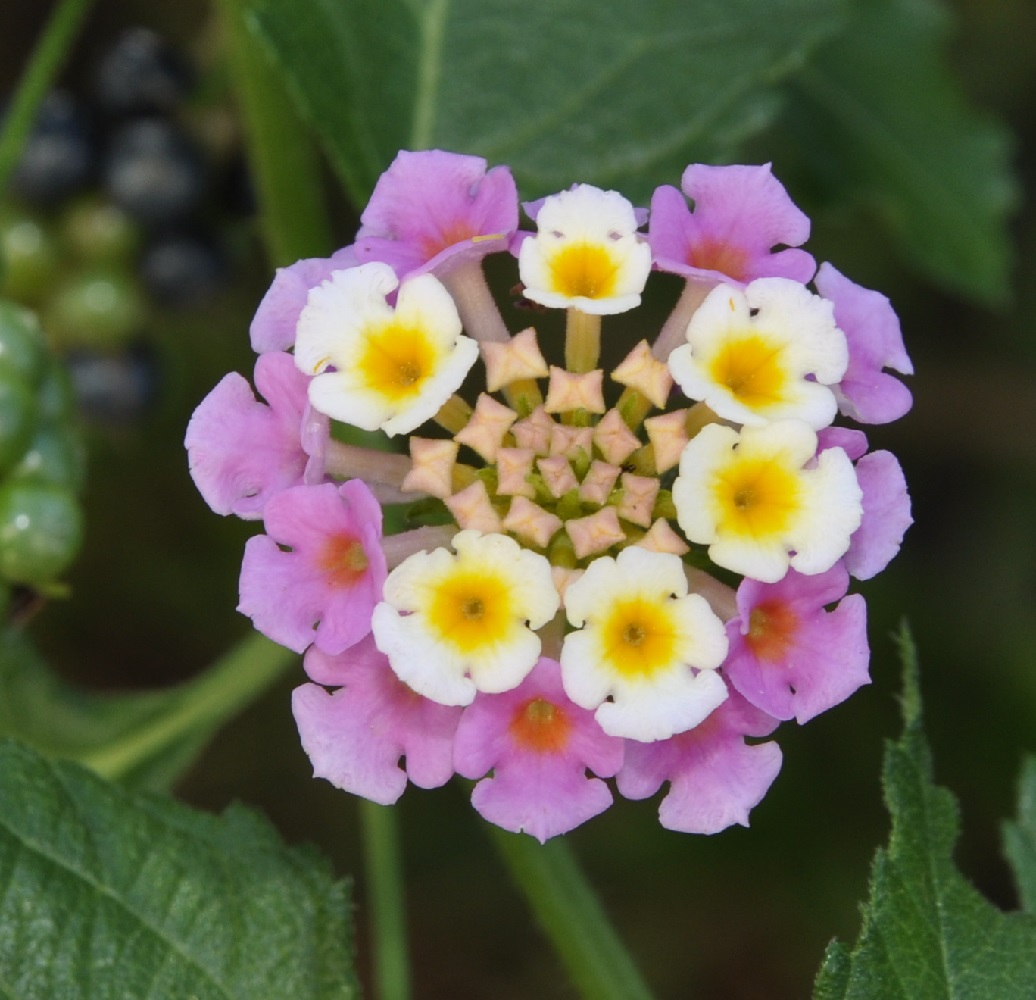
(771, 631)
(344, 560)
(541, 726)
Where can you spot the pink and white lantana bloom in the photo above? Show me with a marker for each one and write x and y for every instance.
(560, 581)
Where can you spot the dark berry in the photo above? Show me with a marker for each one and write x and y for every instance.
(141, 74)
(114, 388)
(183, 271)
(155, 172)
(58, 157)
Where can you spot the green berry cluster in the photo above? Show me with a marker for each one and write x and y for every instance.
(41, 460)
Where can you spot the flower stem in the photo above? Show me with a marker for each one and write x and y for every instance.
(582, 340)
(572, 917)
(385, 896)
(205, 703)
(281, 156)
(58, 35)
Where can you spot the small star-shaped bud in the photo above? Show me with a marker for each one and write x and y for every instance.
(564, 577)
(486, 429)
(642, 371)
(432, 469)
(661, 538)
(471, 508)
(567, 441)
(668, 436)
(534, 431)
(512, 466)
(557, 475)
(531, 522)
(614, 440)
(597, 484)
(638, 498)
(595, 533)
(575, 391)
(513, 360)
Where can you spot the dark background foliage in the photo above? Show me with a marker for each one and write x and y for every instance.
(745, 914)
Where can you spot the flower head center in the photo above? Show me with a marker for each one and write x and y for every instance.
(750, 367)
(344, 560)
(541, 726)
(472, 611)
(396, 362)
(758, 498)
(639, 638)
(714, 255)
(586, 270)
(771, 631)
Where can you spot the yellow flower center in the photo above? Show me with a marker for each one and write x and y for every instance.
(750, 367)
(584, 269)
(471, 610)
(757, 497)
(541, 726)
(638, 637)
(396, 362)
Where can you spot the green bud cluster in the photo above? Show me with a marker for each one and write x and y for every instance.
(41, 459)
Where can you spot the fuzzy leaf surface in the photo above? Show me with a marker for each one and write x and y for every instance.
(108, 895)
(880, 114)
(1020, 837)
(927, 933)
(623, 93)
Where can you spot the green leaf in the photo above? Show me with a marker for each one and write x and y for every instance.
(879, 112)
(927, 934)
(105, 894)
(146, 739)
(622, 92)
(1020, 837)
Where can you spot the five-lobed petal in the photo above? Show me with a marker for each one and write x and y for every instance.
(379, 367)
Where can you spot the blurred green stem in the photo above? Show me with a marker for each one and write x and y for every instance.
(58, 35)
(281, 156)
(232, 683)
(384, 870)
(572, 917)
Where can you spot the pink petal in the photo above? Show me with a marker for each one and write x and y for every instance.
(886, 515)
(427, 207)
(867, 393)
(356, 736)
(273, 326)
(715, 779)
(242, 452)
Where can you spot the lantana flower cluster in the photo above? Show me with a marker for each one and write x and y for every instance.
(596, 581)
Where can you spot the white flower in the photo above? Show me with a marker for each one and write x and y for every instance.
(452, 625)
(759, 502)
(645, 651)
(393, 368)
(586, 253)
(748, 354)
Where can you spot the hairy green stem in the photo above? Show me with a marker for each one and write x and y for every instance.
(572, 917)
(58, 35)
(233, 682)
(384, 871)
(281, 156)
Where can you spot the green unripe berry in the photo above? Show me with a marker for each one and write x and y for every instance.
(23, 348)
(54, 455)
(40, 531)
(30, 255)
(17, 418)
(100, 309)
